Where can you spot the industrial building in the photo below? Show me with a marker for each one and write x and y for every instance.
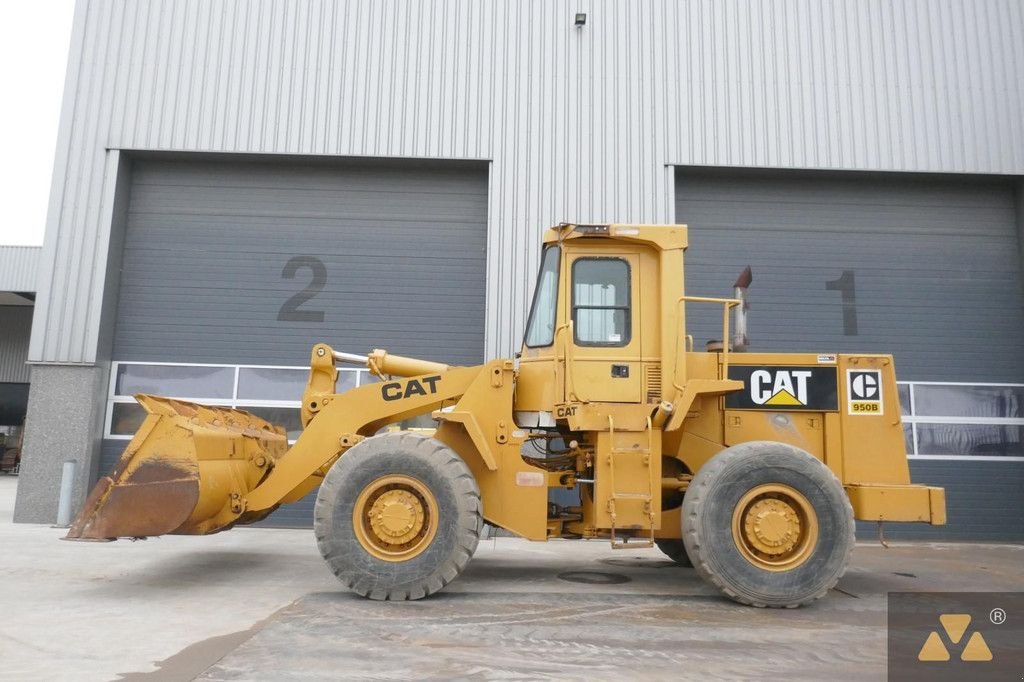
(237, 180)
(19, 266)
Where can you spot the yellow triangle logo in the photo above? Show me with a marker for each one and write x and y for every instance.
(783, 397)
(976, 649)
(933, 649)
(955, 625)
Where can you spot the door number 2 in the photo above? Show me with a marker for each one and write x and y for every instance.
(292, 310)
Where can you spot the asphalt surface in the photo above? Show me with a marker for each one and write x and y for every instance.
(258, 604)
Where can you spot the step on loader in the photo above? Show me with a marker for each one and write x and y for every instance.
(749, 466)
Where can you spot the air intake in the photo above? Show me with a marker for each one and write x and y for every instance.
(652, 383)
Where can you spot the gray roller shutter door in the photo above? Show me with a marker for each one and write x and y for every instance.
(15, 327)
(936, 281)
(391, 254)
(935, 266)
(204, 279)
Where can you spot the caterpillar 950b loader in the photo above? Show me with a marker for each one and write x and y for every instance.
(752, 466)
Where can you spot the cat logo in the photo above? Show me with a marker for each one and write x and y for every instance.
(787, 388)
(413, 387)
(955, 625)
(864, 391)
(784, 388)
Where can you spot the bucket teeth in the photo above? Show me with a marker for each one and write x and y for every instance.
(186, 471)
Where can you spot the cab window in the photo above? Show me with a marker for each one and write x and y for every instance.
(601, 302)
(540, 329)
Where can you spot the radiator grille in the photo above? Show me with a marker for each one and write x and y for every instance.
(652, 378)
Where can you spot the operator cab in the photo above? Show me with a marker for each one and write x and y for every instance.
(587, 325)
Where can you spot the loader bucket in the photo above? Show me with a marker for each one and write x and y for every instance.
(186, 471)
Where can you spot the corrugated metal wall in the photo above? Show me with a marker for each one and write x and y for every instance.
(19, 268)
(580, 123)
(15, 324)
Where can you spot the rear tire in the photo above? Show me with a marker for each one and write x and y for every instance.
(418, 520)
(768, 524)
(674, 550)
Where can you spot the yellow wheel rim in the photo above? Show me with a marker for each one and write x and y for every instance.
(774, 527)
(395, 518)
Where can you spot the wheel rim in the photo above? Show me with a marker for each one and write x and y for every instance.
(774, 527)
(395, 518)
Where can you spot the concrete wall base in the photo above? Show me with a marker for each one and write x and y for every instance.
(64, 422)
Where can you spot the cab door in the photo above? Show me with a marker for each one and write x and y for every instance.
(604, 365)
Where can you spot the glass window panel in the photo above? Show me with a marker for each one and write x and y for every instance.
(969, 401)
(970, 439)
(260, 383)
(288, 417)
(904, 392)
(347, 379)
(908, 438)
(600, 301)
(177, 381)
(126, 419)
(540, 330)
(601, 326)
(367, 378)
(600, 282)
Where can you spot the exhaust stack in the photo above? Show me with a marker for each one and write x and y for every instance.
(740, 340)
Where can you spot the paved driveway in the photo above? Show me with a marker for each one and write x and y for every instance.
(258, 604)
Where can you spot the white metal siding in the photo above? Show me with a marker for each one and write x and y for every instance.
(19, 268)
(581, 124)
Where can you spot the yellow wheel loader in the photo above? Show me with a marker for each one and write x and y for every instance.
(750, 466)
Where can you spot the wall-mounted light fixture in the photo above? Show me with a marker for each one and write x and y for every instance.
(581, 19)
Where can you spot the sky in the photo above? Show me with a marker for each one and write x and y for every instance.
(34, 40)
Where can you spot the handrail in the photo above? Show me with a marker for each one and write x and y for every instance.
(727, 304)
(570, 387)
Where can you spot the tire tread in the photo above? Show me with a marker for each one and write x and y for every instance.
(718, 466)
(468, 525)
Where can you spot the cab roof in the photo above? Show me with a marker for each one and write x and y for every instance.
(664, 237)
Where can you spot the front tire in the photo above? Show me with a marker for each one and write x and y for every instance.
(768, 524)
(398, 517)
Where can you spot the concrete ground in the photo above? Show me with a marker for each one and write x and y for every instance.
(258, 604)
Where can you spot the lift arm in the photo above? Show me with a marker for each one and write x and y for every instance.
(196, 470)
